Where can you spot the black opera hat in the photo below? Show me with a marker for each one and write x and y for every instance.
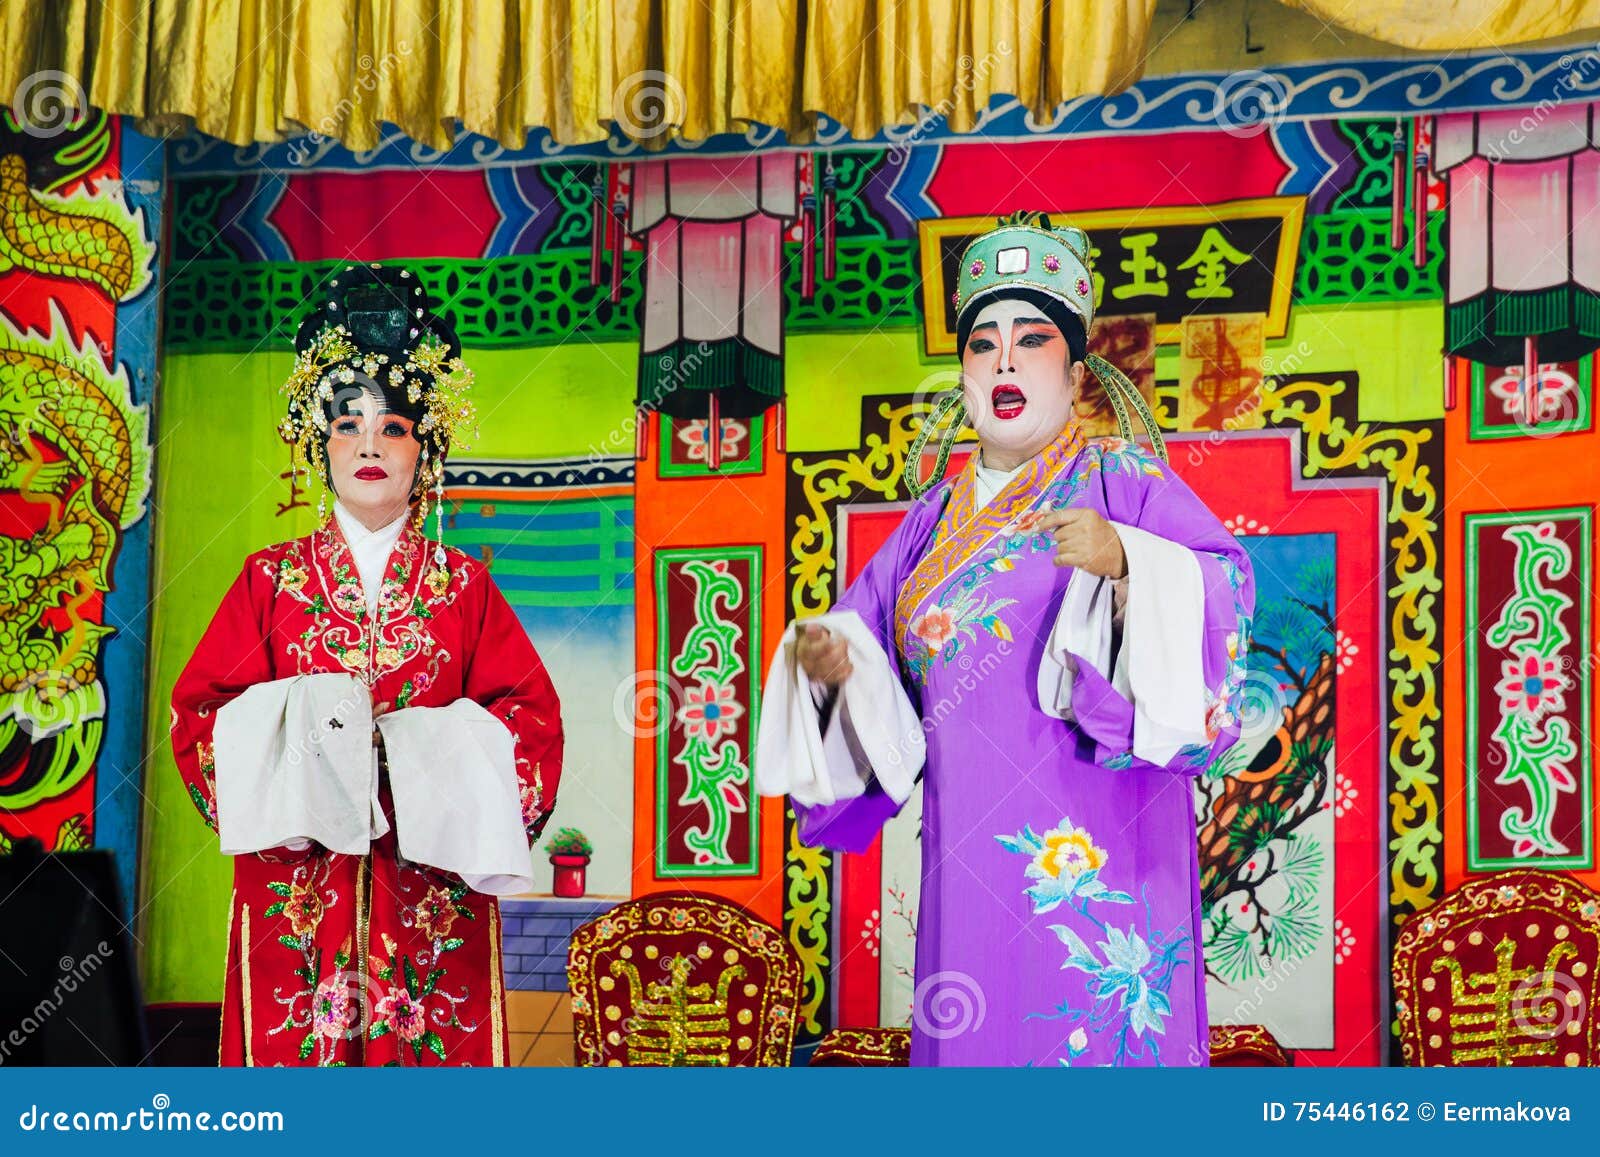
(384, 308)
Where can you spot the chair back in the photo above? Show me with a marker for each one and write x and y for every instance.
(1502, 971)
(678, 978)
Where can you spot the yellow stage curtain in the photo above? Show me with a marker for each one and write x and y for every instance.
(257, 70)
(1455, 24)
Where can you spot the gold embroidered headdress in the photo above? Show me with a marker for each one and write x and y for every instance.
(376, 332)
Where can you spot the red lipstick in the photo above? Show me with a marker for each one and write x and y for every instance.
(371, 473)
(1007, 401)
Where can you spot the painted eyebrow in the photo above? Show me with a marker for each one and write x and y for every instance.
(994, 325)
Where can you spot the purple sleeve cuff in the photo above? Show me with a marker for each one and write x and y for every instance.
(849, 825)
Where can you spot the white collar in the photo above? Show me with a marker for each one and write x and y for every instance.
(370, 549)
(990, 480)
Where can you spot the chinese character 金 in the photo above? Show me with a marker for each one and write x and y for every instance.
(1210, 262)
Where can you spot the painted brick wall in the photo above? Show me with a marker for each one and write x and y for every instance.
(535, 935)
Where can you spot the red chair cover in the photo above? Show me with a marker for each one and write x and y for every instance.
(682, 979)
(1246, 1046)
(1501, 971)
(863, 1048)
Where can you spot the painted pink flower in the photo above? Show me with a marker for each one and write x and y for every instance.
(709, 712)
(1531, 685)
(935, 628)
(693, 435)
(403, 1015)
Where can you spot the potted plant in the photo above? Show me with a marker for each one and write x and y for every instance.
(569, 851)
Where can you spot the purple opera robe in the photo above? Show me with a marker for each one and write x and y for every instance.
(1060, 917)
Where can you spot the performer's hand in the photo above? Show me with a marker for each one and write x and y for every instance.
(822, 655)
(1084, 540)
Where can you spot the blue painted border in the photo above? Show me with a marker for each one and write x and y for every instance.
(120, 766)
(1364, 88)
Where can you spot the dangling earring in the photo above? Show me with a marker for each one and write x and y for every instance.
(420, 485)
(438, 507)
(439, 577)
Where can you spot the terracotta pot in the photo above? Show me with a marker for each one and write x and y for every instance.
(570, 871)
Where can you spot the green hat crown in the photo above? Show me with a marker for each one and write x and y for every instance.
(1025, 251)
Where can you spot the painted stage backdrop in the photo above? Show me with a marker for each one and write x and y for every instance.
(699, 375)
(80, 215)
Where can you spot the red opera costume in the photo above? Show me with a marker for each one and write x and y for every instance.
(371, 958)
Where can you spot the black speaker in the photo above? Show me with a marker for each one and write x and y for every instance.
(69, 992)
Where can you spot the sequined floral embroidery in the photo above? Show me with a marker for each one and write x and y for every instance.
(416, 998)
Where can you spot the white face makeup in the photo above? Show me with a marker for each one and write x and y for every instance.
(1015, 377)
(373, 460)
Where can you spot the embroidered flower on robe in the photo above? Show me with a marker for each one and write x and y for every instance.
(438, 581)
(349, 599)
(970, 614)
(936, 627)
(1066, 865)
(304, 909)
(709, 712)
(291, 578)
(436, 914)
(206, 801)
(1218, 716)
(335, 1011)
(403, 1015)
